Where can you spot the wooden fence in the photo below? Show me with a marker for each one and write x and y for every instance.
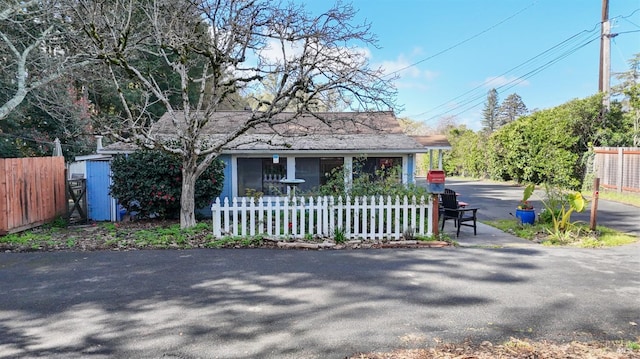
(618, 168)
(359, 217)
(32, 192)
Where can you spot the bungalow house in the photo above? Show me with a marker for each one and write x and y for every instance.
(305, 148)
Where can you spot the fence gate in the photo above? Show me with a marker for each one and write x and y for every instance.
(77, 200)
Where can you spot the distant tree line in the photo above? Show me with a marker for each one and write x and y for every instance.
(552, 145)
(496, 115)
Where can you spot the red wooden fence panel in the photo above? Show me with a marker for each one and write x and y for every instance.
(32, 192)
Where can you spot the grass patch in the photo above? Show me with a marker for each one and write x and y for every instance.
(24, 238)
(171, 236)
(230, 242)
(635, 346)
(512, 226)
(445, 237)
(607, 237)
(580, 236)
(624, 197)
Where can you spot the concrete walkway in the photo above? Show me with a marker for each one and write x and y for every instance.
(487, 236)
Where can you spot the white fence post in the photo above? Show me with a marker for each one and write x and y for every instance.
(215, 215)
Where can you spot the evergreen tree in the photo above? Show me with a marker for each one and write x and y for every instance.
(629, 88)
(490, 112)
(512, 108)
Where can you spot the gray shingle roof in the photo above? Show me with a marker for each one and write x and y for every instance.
(363, 132)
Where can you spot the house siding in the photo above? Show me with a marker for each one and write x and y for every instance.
(227, 189)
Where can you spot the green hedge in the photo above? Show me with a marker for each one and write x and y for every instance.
(150, 183)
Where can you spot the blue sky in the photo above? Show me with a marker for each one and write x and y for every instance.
(463, 48)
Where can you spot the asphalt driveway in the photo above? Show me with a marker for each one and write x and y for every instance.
(498, 200)
(309, 304)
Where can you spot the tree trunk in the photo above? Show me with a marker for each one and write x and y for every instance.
(187, 198)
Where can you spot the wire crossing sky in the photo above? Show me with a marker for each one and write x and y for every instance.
(449, 54)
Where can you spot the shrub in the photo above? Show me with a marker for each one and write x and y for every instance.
(150, 182)
(384, 182)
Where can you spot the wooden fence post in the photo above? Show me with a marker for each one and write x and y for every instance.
(594, 205)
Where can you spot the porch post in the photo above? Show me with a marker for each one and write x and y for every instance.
(348, 172)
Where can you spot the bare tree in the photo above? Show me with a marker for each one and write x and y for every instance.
(413, 127)
(35, 42)
(446, 124)
(215, 49)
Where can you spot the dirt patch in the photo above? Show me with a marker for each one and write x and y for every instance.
(516, 349)
(165, 234)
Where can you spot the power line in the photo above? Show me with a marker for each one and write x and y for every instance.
(461, 42)
(543, 54)
(584, 38)
(472, 102)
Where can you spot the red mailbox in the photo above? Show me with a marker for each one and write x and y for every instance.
(435, 181)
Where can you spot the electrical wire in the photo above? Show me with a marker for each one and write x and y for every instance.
(461, 42)
(583, 38)
(479, 100)
(550, 56)
(542, 55)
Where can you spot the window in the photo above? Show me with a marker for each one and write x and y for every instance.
(371, 166)
(262, 175)
(315, 170)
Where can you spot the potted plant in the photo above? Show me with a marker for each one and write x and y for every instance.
(525, 212)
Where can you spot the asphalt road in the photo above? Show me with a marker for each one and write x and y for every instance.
(309, 304)
(498, 201)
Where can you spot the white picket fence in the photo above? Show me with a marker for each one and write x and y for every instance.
(355, 218)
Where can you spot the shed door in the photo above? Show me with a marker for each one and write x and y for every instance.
(98, 182)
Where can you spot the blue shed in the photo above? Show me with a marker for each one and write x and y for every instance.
(101, 205)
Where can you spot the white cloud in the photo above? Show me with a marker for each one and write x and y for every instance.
(404, 68)
(497, 81)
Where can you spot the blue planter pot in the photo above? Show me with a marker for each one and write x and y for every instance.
(526, 216)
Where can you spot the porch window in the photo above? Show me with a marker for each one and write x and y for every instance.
(373, 165)
(262, 175)
(315, 170)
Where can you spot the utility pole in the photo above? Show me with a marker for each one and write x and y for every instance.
(604, 85)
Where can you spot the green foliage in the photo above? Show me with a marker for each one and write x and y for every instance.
(548, 145)
(226, 242)
(339, 236)
(149, 182)
(560, 206)
(490, 112)
(528, 191)
(383, 182)
(59, 222)
(254, 193)
(580, 236)
(467, 157)
(171, 236)
(635, 346)
(529, 232)
(546, 216)
(511, 108)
